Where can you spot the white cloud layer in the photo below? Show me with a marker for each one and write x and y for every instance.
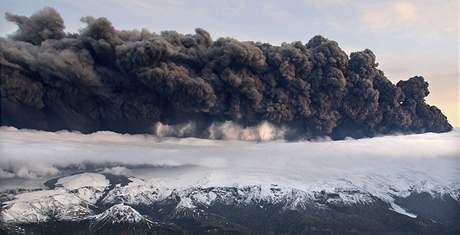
(29, 154)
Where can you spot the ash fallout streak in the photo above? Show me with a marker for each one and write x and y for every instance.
(126, 81)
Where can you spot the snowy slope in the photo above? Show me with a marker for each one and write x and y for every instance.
(41, 206)
(70, 200)
(332, 191)
(120, 213)
(88, 186)
(196, 174)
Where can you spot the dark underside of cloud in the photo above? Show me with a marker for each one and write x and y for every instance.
(107, 79)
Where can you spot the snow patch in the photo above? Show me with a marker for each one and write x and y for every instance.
(402, 211)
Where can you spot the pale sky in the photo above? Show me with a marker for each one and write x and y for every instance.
(408, 37)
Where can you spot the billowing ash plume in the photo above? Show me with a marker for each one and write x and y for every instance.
(128, 81)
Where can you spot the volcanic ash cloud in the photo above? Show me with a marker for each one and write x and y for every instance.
(127, 81)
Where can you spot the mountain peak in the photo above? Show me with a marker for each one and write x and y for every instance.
(120, 213)
(121, 219)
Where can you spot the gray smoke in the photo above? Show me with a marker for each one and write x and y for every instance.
(126, 81)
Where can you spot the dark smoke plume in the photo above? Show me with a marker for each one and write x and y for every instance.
(126, 81)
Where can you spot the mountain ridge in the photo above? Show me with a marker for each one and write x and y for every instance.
(203, 205)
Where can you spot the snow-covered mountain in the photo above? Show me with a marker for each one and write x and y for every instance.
(96, 198)
(110, 182)
(123, 216)
(69, 200)
(120, 213)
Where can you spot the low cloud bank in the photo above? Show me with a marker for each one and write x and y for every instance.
(31, 153)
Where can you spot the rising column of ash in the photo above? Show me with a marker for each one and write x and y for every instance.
(126, 81)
